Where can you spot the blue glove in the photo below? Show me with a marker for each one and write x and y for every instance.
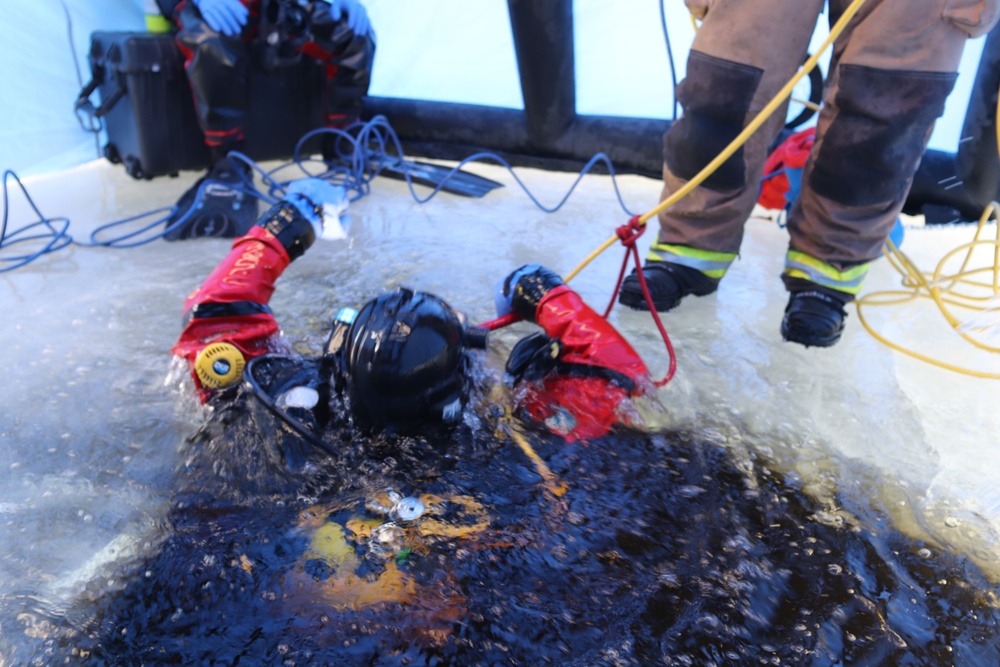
(357, 17)
(225, 16)
(320, 202)
(522, 290)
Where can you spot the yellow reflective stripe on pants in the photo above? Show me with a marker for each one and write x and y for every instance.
(712, 264)
(800, 265)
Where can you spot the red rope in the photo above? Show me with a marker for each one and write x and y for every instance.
(629, 233)
(501, 322)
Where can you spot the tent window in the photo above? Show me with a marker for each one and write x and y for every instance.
(445, 51)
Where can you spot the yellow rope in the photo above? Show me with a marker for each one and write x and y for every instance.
(741, 139)
(919, 286)
(807, 104)
(942, 289)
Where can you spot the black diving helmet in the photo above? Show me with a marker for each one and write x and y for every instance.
(403, 360)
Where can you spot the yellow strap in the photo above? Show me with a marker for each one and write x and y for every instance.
(552, 483)
(549, 478)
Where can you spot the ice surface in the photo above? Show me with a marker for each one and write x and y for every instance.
(90, 426)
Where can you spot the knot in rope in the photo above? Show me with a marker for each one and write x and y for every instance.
(630, 232)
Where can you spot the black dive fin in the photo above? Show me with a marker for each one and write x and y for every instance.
(220, 212)
(459, 183)
(214, 206)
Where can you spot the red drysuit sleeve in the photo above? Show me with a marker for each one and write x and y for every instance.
(583, 405)
(245, 277)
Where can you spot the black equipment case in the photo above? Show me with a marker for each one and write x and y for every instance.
(148, 110)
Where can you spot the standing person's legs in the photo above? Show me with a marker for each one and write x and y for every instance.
(892, 71)
(348, 58)
(217, 69)
(744, 52)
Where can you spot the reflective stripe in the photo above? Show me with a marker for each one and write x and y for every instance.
(712, 264)
(800, 265)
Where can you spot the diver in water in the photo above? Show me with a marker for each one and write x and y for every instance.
(401, 362)
(380, 411)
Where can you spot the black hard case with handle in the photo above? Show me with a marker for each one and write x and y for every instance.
(148, 110)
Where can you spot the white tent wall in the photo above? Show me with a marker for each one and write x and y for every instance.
(441, 50)
(39, 82)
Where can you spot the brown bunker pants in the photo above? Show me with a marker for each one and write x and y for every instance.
(891, 72)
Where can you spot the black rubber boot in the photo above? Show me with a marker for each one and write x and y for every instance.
(813, 319)
(221, 210)
(668, 283)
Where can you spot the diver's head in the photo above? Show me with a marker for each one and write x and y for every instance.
(405, 362)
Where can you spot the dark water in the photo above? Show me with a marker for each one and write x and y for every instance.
(664, 549)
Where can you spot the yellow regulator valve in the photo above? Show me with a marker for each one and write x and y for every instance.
(219, 365)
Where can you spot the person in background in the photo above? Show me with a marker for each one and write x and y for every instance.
(220, 41)
(891, 71)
